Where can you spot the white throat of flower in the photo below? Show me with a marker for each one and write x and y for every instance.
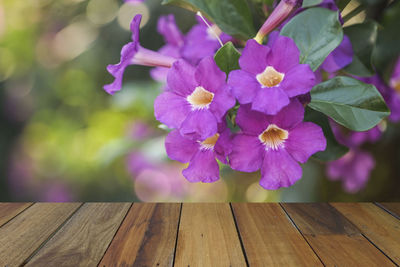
(200, 98)
(209, 143)
(273, 137)
(270, 77)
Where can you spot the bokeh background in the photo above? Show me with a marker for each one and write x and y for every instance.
(62, 138)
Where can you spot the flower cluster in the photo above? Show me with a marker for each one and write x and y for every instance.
(252, 117)
(354, 168)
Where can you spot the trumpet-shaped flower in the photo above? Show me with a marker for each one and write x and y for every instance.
(133, 53)
(275, 144)
(197, 99)
(200, 154)
(270, 76)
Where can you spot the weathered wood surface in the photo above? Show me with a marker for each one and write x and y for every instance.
(207, 236)
(174, 234)
(334, 238)
(381, 228)
(269, 237)
(20, 237)
(147, 236)
(10, 210)
(83, 240)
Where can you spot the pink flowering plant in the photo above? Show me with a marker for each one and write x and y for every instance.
(302, 86)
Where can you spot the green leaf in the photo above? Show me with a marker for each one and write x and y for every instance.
(350, 102)
(333, 150)
(363, 38)
(316, 32)
(309, 3)
(227, 58)
(232, 16)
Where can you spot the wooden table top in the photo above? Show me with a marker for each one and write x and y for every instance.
(199, 234)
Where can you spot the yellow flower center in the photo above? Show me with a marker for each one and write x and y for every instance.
(273, 137)
(200, 98)
(270, 77)
(210, 142)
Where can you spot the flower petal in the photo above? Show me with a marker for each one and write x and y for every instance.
(202, 168)
(180, 148)
(117, 70)
(289, 116)
(222, 102)
(278, 170)
(284, 54)
(247, 153)
(167, 27)
(171, 109)
(250, 121)
(180, 78)
(208, 75)
(244, 86)
(199, 124)
(253, 58)
(270, 100)
(298, 80)
(304, 140)
(223, 147)
(340, 57)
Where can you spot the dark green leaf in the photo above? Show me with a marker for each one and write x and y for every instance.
(309, 3)
(232, 16)
(350, 102)
(227, 58)
(363, 39)
(317, 32)
(333, 150)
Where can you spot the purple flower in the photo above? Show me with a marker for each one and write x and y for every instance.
(197, 99)
(275, 144)
(340, 57)
(353, 169)
(201, 155)
(394, 101)
(202, 41)
(174, 40)
(355, 139)
(133, 53)
(269, 77)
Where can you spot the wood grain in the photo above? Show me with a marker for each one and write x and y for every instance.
(83, 240)
(336, 240)
(20, 237)
(269, 238)
(147, 236)
(207, 237)
(392, 207)
(10, 210)
(377, 225)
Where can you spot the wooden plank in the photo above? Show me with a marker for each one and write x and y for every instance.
(207, 236)
(147, 236)
(10, 210)
(269, 237)
(83, 240)
(377, 225)
(392, 207)
(20, 237)
(336, 240)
